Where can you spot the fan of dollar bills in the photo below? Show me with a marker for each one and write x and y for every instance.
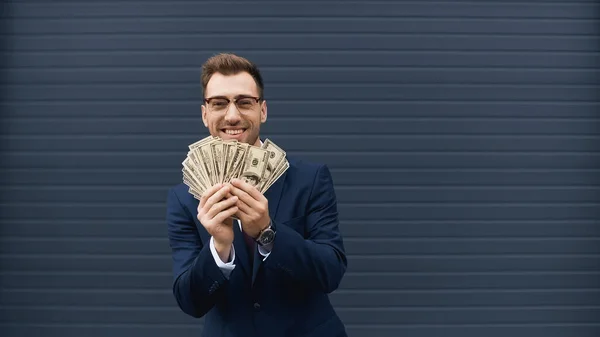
(213, 160)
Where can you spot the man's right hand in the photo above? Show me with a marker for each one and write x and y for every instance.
(214, 213)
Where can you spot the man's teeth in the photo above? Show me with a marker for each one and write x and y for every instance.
(233, 132)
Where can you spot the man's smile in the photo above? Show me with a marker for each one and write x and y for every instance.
(236, 133)
(233, 131)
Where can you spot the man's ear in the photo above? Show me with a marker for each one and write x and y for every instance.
(263, 112)
(203, 108)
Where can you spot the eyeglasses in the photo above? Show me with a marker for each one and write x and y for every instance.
(244, 104)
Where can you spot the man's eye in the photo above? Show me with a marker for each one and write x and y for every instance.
(219, 103)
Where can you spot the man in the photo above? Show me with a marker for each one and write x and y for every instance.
(270, 272)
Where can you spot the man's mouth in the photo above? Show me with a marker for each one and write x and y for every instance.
(233, 132)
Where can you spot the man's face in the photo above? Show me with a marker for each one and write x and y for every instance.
(230, 122)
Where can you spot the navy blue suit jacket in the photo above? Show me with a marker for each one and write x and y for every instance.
(285, 295)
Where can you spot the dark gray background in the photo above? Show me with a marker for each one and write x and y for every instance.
(462, 137)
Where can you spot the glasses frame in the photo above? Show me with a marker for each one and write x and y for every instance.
(229, 101)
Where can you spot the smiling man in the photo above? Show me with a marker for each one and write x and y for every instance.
(228, 82)
(255, 264)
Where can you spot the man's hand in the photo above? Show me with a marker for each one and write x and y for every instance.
(253, 207)
(215, 212)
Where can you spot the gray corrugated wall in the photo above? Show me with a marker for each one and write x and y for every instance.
(462, 136)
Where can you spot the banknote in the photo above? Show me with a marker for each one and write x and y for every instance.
(276, 158)
(212, 160)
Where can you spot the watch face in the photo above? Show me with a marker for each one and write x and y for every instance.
(267, 237)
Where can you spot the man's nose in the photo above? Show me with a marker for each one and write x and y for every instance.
(232, 114)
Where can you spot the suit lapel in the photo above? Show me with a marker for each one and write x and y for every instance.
(273, 194)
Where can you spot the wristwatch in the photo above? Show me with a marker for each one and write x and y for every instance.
(266, 236)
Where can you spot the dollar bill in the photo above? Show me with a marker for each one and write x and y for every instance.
(206, 162)
(236, 161)
(276, 156)
(212, 160)
(217, 160)
(254, 165)
(278, 173)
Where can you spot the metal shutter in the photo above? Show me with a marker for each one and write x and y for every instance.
(462, 137)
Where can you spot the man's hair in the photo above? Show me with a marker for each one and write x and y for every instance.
(230, 64)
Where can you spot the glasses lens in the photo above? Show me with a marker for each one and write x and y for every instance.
(218, 104)
(246, 103)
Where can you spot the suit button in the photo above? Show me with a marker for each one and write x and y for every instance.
(256, 306)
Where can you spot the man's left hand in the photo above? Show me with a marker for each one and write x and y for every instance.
(253, 207)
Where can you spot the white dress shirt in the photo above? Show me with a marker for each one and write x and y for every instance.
(227, 267)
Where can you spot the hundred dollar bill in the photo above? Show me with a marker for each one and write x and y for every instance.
(231, 148)
(217, 161)
(276, 156)
(195, 162)
(213, 160)
(278, 173)
(194, 154)
(200, 142)
(206, 161)
(254, 165)
(237, 161)
(191, 174)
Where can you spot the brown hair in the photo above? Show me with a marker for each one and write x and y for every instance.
(230, 64)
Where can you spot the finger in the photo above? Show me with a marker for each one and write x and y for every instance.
(216, 197)
(208, 193)
(242, 216)
(228, 221)
(250, 189)
(223, 215)
(220, 206)
(244, 196)
(244, 207)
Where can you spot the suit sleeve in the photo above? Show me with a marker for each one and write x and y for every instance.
(198, 282)
(319, 259)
